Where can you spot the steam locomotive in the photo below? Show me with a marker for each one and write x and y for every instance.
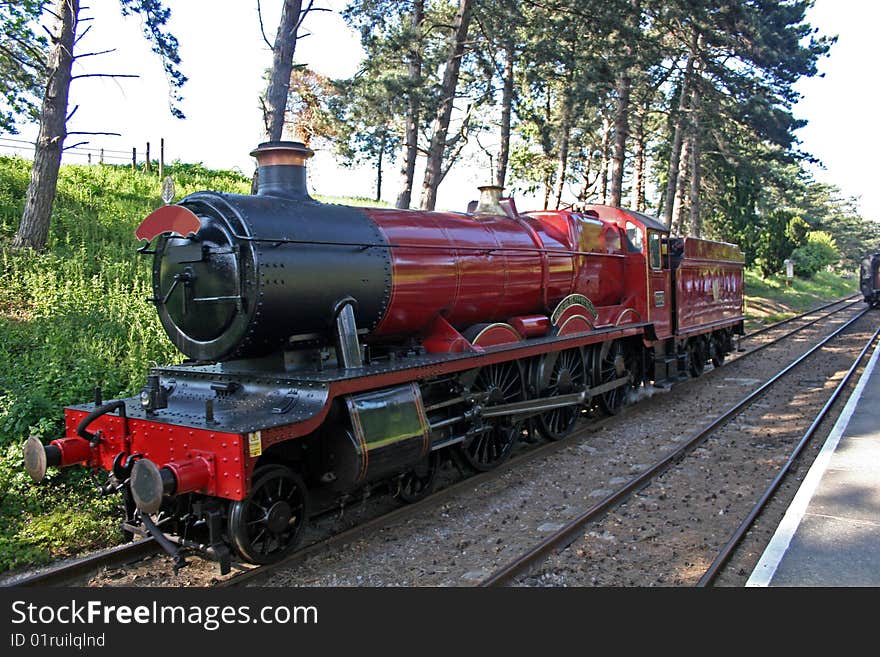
(869, 279)
(333, 349)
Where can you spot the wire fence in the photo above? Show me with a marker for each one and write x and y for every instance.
(85, 154)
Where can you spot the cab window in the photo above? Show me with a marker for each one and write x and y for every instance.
(633, 238)
(612, 240)
(654, 250)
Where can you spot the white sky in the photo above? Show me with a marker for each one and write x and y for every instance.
(224, 56)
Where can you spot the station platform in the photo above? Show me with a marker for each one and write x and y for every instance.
(830, 534)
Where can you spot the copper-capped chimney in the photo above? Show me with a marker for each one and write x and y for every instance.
(282, 169)
(490, 200)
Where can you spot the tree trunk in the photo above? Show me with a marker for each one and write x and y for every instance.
(696, 151)
(603, 174)
(677, 224)
(621, 117)
(34, 228)
(440, 128)
(282, 66)
(506, 113)
(696, 224)
(637, 198)
(621, 133)
(411, 136)
(379, 167)
(564, 137)
(678, 137)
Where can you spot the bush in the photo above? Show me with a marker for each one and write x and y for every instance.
(819, 252)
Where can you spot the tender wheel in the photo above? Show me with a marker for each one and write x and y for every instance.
(567, 374)
(418, 482)
(492, 445)
(697, 356)
(266, 525)
(716, 351)
(614, 360)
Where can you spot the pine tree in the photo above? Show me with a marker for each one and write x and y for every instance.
(33, 230)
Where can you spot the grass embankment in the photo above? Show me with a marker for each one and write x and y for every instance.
(772, 300)
(72, 318)
(76, 316)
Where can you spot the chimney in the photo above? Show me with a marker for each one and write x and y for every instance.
(282, 169)
(490, 200)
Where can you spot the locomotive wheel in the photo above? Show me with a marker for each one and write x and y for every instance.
(491, 447)
(697, 356)
(716, 351)
(568, 374)
(418, 482)
(727, 341)
(266, 525)
(614, 360)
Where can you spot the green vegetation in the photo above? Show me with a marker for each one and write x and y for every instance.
(76, 316)
(770, 299)
(71, 318)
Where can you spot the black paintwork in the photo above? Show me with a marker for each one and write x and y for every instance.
(230, 295)
(252, 395)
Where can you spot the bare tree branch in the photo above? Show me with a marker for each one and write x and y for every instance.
(103, 75)
(92, 54)
(262, 29)
(84, 32)
(302, 15)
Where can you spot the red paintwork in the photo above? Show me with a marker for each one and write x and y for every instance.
(478, 269)
(696, 307)
(530, 326)
(495, 335)
(168, 219)
(444, 339)
(709, 285)
(73, 450)
(193, 474)
(180, 448)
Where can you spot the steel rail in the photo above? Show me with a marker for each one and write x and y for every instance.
(60, 574)
(567, 534)
(252, 574)
(727, 551)
(796, 317)
(121, 554)
(401, 513)
(796, 330)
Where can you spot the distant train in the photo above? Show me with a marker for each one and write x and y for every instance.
(869, 279)
(333, 349)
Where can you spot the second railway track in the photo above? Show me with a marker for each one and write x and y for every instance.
(743, 408)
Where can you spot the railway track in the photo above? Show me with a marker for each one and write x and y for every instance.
(572, 529)
(120, 556)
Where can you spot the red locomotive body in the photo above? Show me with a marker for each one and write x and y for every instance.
(335, 349)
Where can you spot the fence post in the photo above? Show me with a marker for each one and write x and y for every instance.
(149, 166)
(90, 158)
(102, 156)
(134, 155)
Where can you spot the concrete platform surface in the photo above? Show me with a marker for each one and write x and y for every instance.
(830, 534)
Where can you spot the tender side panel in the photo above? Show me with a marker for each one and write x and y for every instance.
(709, 284)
